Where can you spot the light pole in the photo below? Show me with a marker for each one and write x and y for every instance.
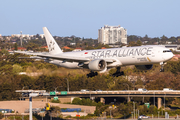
(128, 91)
(30, 104)
(158, 114)
(57, 87)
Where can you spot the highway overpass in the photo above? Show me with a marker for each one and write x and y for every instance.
(159, 94)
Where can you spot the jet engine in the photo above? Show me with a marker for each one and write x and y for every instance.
(98, 65)
(144, 67)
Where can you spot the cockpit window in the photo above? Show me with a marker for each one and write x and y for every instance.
(164, 51)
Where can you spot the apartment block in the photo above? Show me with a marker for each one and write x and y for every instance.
(112, 35)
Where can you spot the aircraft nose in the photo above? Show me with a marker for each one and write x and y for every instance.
(168, 56)
(171, 55)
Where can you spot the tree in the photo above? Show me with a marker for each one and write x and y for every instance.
(31, 46)
(17, 69)
(139, 43)
(15, 46)
(77, 101)
(4, 52)
(132, 43)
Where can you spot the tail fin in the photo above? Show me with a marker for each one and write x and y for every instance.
(51, 43)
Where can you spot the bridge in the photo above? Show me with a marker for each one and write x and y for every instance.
(159, 94)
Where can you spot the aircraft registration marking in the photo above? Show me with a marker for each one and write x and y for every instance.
(142, 59)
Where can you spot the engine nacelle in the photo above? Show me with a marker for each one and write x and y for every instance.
(144, 67)
(97, 65)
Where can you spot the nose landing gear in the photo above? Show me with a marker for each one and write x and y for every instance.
(162, 66)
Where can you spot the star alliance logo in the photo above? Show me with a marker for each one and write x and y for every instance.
(51, 46)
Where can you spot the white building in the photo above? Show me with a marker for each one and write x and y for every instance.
(19, 35)
(112, 35)
(42, 35)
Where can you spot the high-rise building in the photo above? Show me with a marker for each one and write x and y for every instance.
(112, 35)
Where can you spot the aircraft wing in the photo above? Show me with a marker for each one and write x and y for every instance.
(32, 57)
(44, 55)
(66, 58)
(72, 58)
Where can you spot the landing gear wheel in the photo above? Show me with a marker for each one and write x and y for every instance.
(92, 74)
(118, 73)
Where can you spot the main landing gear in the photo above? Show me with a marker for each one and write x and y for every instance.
(162, 66)
(118, 73)
(92, 74)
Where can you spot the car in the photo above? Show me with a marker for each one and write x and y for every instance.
(142, 89)
(25, 94)
(84, 90)
(40, 94)
(143, 116)
(46, 94)
(167, 89)
(98, 90)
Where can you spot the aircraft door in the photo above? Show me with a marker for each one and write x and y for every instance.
(159, 54)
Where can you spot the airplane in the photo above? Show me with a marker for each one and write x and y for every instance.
(100, 60)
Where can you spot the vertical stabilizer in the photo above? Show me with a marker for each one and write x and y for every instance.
(51, 43)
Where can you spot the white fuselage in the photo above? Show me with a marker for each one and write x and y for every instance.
(139, 55)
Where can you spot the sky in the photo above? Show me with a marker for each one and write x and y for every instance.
(83, 18)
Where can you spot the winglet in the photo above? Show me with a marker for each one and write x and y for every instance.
(51, 43)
